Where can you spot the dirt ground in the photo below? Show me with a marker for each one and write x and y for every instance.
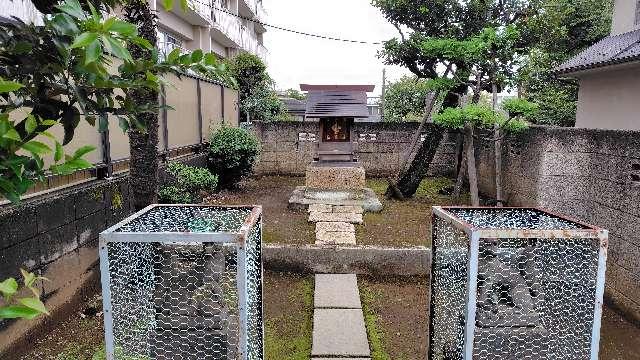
(281, 225)
(401, 223)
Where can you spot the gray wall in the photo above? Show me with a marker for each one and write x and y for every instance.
(593, 175)
(56, 235)
(286, 149)
(608, 98)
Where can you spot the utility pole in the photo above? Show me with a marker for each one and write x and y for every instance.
(384, 83)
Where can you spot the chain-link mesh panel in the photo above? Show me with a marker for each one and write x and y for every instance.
(196, 219)
(254, 294)
(535, 298)
(448, 291)
(174, 302)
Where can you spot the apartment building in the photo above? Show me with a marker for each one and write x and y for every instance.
(220, 26)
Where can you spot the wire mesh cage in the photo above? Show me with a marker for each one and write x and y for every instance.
(514, 283)
(183, 282)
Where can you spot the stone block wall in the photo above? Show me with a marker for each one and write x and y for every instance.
(592, 175)
(56, 236)
(288, 147)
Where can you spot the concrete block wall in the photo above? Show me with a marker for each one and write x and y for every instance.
(56, 235)
(286, 149)
(592, 175)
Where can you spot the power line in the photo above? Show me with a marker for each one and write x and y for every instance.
(287, 29)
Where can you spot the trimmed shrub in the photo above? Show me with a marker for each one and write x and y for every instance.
(232, 153)
(189, 182)
(174, 195)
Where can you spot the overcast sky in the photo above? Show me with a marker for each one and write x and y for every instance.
(295, 59)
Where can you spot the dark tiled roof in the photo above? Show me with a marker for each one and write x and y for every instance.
(611, 50)
(308, 87)
(295, 106)
(337, 104)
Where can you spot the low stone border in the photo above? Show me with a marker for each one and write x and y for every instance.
(365, 260)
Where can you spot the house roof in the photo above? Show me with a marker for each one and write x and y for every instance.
(295, 106)
(337, 104)
(618, 49)
(365, 88)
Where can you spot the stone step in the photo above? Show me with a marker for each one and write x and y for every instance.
(323, 208)
(348, 209)
(335, 217)
(334, 227)
(337, 291)
(335, 238)
(339, 332)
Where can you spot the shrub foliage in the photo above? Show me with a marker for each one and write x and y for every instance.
(232, 153)
(190, 182)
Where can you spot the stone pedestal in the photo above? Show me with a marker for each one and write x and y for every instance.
(335, 183)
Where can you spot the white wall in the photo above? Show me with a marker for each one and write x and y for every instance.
(610, 99)
(624, 16)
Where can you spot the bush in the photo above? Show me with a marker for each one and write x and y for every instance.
(232, 153)
(188, 185)
(174, 195)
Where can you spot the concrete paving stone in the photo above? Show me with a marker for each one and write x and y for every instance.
(335, 217)
(323, 208)
(337, 291)
(335, 237)
(339, 332)
(334, 226)
(348, 209)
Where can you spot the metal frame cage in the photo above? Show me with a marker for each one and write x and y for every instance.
(184, 282)
(515, 283)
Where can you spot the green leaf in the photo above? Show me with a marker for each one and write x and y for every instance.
(168, 4)
(59, 152)
(78, 164)
(197, 56)
(73, 8)
(84, 39)
(35, 304)
(82, 151)
(210, 59)
(31, 124)
(173, 55)
(142, 42)
(8, 86)
(8, 287)
(116, 48)
(12, 134)
(36, 147)
(18, 312)
(123, 123)
(28, 277)
(92, 52)
(124, 28)
(8, 190)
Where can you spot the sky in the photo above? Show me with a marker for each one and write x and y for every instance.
(294, 59)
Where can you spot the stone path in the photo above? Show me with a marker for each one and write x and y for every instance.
(334, 223)
(338, 323)
(339, 330)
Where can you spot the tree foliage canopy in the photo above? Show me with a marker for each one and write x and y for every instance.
(258, 101)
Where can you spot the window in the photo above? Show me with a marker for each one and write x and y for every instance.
(167, 43)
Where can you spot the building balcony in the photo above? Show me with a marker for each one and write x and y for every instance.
(248, 8)
(261, 16)
(226, 29)
(249, 42)
(197, 12)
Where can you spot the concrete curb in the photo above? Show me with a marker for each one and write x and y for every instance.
(362, 260)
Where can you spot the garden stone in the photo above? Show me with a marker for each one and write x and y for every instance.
(320, 208)
(335, 217)
(334, 226)
(337, 291)
(335, 237)
(339, 332)
(348, 209)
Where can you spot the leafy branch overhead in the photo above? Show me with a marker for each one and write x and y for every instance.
(76, 67)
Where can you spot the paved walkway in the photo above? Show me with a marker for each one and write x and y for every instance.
(339, 330)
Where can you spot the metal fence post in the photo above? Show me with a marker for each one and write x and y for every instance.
(222, 101)
(165, 129)
(200, 132)
(105, 171)
(472, 294)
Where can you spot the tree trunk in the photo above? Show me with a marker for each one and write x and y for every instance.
(462, 168)
(497, 149)
(471, 165)
(143, 144)
(410, 181)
